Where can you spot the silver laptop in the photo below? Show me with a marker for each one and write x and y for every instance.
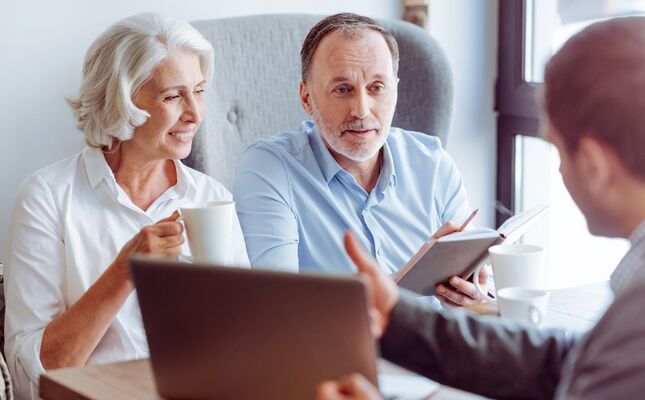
(229, 333)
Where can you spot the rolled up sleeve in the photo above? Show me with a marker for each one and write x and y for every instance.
(263, 199)
(34, 282)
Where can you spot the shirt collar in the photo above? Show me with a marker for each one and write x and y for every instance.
(638, 234)
(185, 180)
(327, 163)
(98, 169)
(330, 167)
(95, 165)
(388, 172)
(632, 263)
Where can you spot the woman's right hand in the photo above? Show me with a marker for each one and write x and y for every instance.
(163, 239)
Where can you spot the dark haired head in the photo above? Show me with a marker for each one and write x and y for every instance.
(350, 25)
(595, 86)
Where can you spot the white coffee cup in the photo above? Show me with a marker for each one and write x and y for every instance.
(208, 228)
(520, 265)
(523, 304)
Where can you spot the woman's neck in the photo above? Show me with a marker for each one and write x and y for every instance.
(141, 178)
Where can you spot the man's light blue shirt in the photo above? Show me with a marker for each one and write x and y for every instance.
(295, 202)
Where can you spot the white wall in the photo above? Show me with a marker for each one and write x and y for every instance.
(42, 44)
(467, 31)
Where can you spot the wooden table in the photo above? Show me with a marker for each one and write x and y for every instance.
(574, 309)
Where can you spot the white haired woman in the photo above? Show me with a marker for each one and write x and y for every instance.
(70, 299)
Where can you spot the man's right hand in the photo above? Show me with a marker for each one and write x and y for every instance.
(352, 387)
(382, 290)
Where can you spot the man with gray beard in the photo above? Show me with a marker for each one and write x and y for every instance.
(297, 192)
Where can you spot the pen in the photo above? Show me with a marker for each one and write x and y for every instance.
(467, 221)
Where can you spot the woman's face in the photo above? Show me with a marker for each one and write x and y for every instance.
(174, 98)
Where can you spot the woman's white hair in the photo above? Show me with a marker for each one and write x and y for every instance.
(119, 62)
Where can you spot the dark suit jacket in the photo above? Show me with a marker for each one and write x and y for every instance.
(501, 359)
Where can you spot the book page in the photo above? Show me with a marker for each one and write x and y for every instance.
(513, 228)
(476, 233)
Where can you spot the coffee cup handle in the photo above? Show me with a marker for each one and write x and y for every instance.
(183, 257)
(535, 315)
(478, 287)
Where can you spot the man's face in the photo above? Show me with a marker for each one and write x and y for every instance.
(577, 181)
(351, 93)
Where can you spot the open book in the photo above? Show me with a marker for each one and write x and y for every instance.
(459, 253)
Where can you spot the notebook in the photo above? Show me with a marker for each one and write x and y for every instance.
(460, 253)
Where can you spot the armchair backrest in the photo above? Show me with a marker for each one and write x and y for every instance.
(254, 92)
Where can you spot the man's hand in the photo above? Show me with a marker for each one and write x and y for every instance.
(382, 290)
(446, 229)
(352, 387)
(460, 292)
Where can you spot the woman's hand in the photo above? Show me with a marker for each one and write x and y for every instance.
(163, 239)
(71, 337)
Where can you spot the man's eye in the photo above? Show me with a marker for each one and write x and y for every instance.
(172, 98)
(200, 91)
(378, 88)
(342, 90)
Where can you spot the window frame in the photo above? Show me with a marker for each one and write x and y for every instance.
(515, 102)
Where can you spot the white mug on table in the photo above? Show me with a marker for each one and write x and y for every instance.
(523, 304)
(208, 228)
(518, 273)
(519, 265)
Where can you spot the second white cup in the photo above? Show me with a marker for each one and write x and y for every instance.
(523, 304)
(208, 228)
(520, 265)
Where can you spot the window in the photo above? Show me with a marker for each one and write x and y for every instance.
(530, 32)
(550, 23)
(572, 255)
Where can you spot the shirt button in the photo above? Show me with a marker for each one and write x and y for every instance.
(380, 252)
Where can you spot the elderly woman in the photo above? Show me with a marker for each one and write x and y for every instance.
(70, 298)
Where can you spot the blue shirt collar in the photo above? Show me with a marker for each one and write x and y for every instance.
(330, 167)
(327, 163)
(388, 172)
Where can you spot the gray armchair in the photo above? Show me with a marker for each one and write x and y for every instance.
(254, 92)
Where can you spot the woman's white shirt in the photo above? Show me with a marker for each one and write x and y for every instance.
(69, 222)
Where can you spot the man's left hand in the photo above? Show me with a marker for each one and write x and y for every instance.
(460, 292)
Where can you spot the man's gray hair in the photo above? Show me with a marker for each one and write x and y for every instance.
(350, 25)
(117, 65)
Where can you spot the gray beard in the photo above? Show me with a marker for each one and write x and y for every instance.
(357, 153)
